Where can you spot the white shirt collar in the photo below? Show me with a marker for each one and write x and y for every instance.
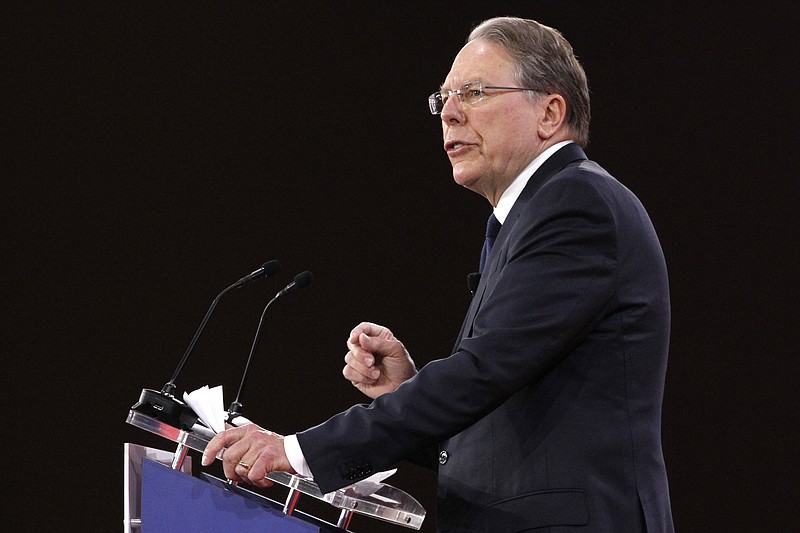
(510, 195)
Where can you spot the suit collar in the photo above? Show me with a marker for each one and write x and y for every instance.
(563, 157)
(552, 165)
(512, 192)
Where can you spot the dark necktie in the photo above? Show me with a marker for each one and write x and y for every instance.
(492, 229)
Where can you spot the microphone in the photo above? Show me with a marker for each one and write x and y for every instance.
(301, 280)
(162, 405)
(473, 280)
(264, 271)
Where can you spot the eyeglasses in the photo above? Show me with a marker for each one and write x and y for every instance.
(470, 93)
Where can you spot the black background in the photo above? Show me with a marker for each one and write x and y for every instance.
(154, 154)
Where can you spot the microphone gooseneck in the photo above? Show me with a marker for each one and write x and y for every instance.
(301, 280)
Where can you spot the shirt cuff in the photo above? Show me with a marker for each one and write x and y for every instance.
(295, 455)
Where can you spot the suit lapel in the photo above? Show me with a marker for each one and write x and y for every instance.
(563, 157)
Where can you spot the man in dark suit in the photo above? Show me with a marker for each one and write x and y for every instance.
(547, 413)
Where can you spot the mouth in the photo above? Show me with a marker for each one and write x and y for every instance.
(456, 147)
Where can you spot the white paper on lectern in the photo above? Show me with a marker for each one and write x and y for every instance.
(208, 405)
(379, 477)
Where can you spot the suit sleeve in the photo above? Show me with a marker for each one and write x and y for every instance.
(554, 277)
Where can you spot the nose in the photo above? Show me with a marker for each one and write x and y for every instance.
(453, 112)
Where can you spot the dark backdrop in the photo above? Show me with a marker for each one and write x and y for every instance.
(154, 154)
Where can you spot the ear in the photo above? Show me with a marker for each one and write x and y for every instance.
(555, 115)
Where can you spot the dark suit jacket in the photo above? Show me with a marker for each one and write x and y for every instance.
(548, 413)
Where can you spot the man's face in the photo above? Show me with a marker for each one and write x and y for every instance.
(491, 142)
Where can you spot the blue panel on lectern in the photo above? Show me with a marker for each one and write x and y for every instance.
(173, 501)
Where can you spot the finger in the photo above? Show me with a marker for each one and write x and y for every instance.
(213, 449)
(361, 361)
(382, 346)
(242, 468)
(268, 455)
(368, 349)
(360, 379)
(356, 370)
(358, 330)
(261, 482)
(365, 341)
(230, 471)
(221, 441)
(355, 377)
(373, 330)
(354, 340)
(257, 475)
(238, 460)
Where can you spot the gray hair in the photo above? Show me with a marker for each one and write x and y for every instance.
(544, 61)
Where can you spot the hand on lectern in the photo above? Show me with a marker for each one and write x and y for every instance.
(377, 362)
(250, 453)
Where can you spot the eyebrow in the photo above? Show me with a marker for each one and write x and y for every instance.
(462, 85)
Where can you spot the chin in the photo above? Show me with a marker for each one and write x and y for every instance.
(466, 178)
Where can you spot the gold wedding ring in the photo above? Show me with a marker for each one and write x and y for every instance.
(244, 465)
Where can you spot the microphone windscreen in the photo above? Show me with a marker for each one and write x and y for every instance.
(303, 279)
(271, 267)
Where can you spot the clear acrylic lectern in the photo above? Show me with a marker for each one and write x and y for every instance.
(376, 500)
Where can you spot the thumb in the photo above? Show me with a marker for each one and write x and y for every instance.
(365, 341)
(380, 346)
